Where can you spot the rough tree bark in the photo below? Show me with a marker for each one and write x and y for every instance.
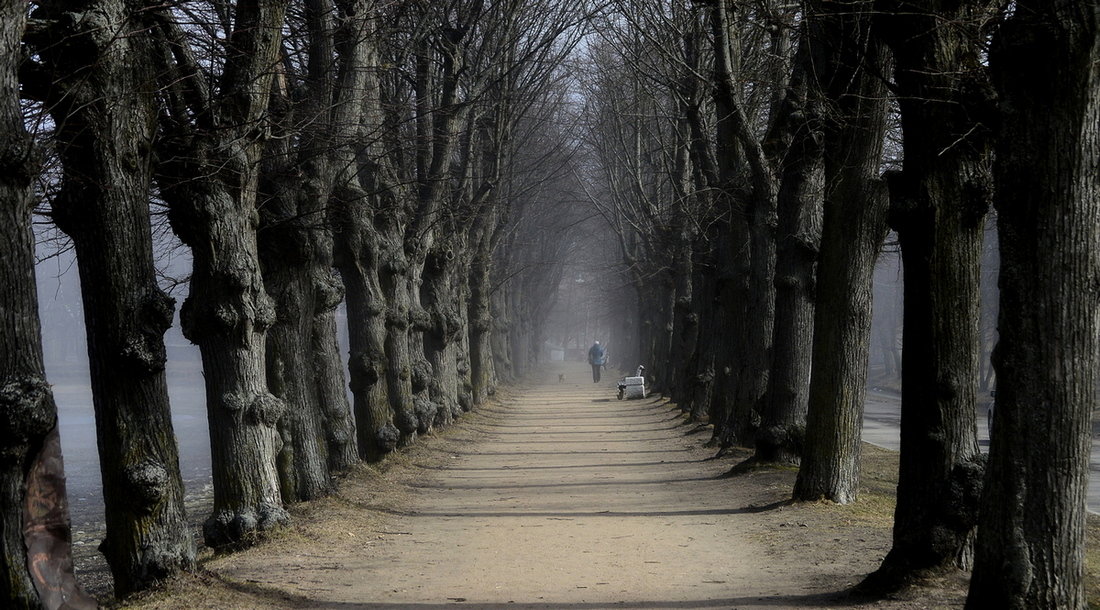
(685, 322)
(297, 248)
(393, 278)
(101, 97)
(783, 421)
(699, 371)
(357, 110)
(437, 295)
(733, 263)
(36, 568)
(699, 367)
(1045, 63)
(938, 202)
(330, 378)
(482, 374)
(749, 291)
(287, 253)
(847, 66)
(356, 257)
(228, 312)
(317, 158)
(407, 230)
(503, 326)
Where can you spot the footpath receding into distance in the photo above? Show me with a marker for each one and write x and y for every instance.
(556, 496)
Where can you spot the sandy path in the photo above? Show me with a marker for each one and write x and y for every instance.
(563, 497)
(569, 499)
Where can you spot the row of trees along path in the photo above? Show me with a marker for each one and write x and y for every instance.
(559, 496)
(423, 162)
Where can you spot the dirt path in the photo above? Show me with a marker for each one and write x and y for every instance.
(559, 497)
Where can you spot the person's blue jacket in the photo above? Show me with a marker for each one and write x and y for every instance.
(596, 354)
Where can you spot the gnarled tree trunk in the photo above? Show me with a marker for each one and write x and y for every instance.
(228, 312)
(482, 374)
(103, 106)
(287, 250)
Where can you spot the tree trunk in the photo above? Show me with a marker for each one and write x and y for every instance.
(318, 156)
(393, 278)
(755, 345)
(296, 253)
(783, 422)
(286, 251)
(522, 325)
(699, 372)
(35, 548)
(685, 322)
(654, 298)
(1030, 551)
(424, 407)
(463, 350)
(730, 290)
(750, 312)
(356, 112)
(482, 374)
(228, 312)
(437, 295)
(938, 201)
(331, 383)
(357, 260)
(847, 68)
(226, 315)
(662, 358)
(105, 128)
(503, 326)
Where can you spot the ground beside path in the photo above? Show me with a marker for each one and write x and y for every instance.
(560, 496)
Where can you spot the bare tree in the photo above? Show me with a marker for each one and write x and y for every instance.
(104, 111)
(357, 117)
(1045, 62)
(295, 240)
(848, 65)
(938, 202)
(799, 202)
(209, 161)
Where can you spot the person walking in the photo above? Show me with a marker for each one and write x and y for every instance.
(597, 357)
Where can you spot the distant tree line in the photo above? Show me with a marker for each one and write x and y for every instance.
(736, 151)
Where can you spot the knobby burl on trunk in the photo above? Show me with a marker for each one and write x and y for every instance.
(441, 339)
(227, 315)
(356, 257)
(357, 192)
(289, 200)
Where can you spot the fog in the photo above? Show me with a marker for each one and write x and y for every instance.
(66, 358)
(585, 310)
